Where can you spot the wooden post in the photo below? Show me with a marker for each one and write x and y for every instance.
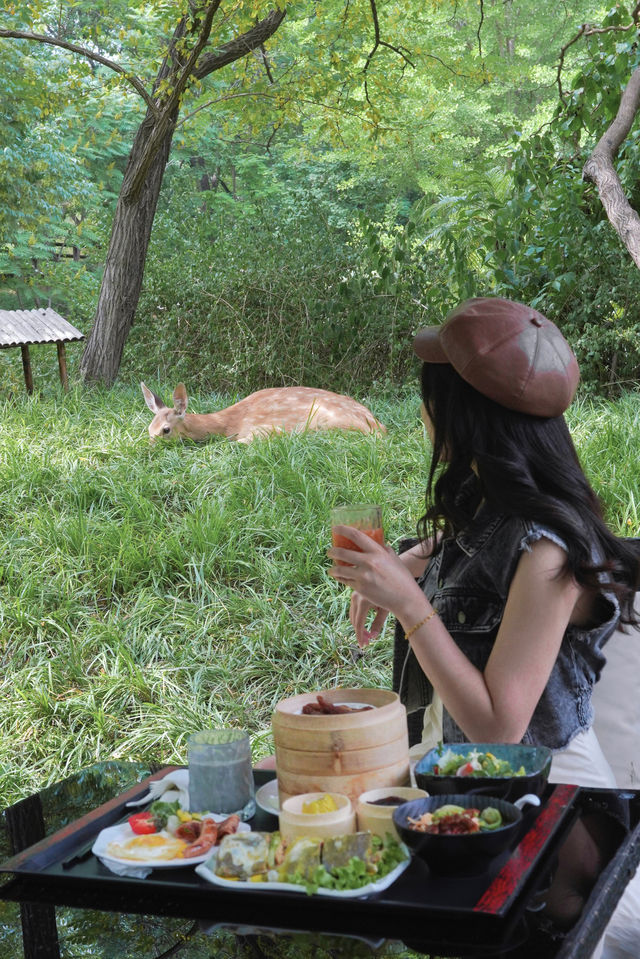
(26, 366)
(62, 366)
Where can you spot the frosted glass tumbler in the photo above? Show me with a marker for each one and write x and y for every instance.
(220, 772)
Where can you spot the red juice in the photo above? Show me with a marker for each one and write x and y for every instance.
(343, 542)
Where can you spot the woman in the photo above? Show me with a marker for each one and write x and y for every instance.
(516, 584)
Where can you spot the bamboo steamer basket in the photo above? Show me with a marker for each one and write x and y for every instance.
(347, 753)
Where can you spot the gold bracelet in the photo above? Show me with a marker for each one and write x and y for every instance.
(422, 622)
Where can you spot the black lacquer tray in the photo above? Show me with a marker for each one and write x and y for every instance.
(481, 915)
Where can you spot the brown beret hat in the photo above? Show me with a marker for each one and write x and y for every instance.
(508, 352)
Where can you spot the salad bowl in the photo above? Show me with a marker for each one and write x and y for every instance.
(504, 770)
(466, 854)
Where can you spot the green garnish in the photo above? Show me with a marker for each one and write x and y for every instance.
(490, 818)
(162, 810)
(357, 872)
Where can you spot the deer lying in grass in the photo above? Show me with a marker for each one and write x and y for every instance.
(282, 409)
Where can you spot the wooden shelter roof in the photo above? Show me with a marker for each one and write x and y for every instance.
(23, 327)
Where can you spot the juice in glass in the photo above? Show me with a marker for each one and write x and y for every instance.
(368, 519)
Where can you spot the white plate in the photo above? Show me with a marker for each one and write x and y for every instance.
(207, 873)
(267, 797)
(123, 831)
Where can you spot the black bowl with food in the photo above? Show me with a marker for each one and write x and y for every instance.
(460, 835)
(505, 770)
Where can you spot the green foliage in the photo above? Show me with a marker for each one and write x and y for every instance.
(340, 224)
(54, 196)
(531, 229)
(264, 285)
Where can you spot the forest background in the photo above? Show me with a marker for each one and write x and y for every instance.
(329, 194)
(348, 181)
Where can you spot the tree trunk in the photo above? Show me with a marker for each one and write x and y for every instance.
(124, 268)
(599, 169)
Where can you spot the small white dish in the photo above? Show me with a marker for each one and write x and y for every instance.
(267, 797)
(294, 822)
(378, 819)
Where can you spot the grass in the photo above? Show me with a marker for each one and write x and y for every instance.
(150, 591)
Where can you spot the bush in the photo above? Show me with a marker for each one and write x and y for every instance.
(258, 292)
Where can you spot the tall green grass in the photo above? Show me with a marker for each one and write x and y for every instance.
(148, 591)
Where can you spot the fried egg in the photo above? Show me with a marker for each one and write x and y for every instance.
(157, 846)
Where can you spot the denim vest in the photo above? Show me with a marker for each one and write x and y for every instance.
(468, 582)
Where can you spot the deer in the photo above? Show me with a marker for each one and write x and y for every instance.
(280, 409)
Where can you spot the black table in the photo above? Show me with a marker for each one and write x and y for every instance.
(54, 909)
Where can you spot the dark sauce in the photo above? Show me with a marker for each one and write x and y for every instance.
(387, 801)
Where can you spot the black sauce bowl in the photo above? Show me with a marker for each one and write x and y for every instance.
(461, 855)
(536, 761)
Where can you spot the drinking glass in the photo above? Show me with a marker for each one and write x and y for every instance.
(367, 518)
(220, 772)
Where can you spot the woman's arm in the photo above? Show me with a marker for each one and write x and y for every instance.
(495, 705)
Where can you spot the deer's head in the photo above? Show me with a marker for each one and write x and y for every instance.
(166, 422)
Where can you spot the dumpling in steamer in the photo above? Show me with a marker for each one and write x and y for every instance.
(243, 855)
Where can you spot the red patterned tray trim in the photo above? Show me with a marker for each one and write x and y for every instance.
(505, 884)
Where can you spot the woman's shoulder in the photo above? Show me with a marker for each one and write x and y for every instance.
(534, 532)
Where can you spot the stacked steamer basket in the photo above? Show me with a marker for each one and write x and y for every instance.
(346, 753)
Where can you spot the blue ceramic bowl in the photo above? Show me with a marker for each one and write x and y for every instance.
(459, 855)
(536, 761)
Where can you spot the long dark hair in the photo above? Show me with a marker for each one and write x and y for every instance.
(521, 465)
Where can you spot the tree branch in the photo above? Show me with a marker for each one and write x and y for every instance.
(589, 31)
(237, 48)
(562, 55)
(259, 94)
(165, 122)
(90, 55)
(599, 169)
(187, 68)
(379, 42)
(480, 28)
(265, 63)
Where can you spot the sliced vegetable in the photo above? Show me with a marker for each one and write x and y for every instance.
(143, 823)
(466, 770)
(449, 810)
(475, 764)
(490, 818)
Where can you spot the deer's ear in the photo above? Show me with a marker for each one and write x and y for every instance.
(180, 399)
(154, 402)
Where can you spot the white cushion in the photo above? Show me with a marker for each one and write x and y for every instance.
(616, 702)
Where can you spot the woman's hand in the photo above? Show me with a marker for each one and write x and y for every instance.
(380, 580)
(358, 614)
